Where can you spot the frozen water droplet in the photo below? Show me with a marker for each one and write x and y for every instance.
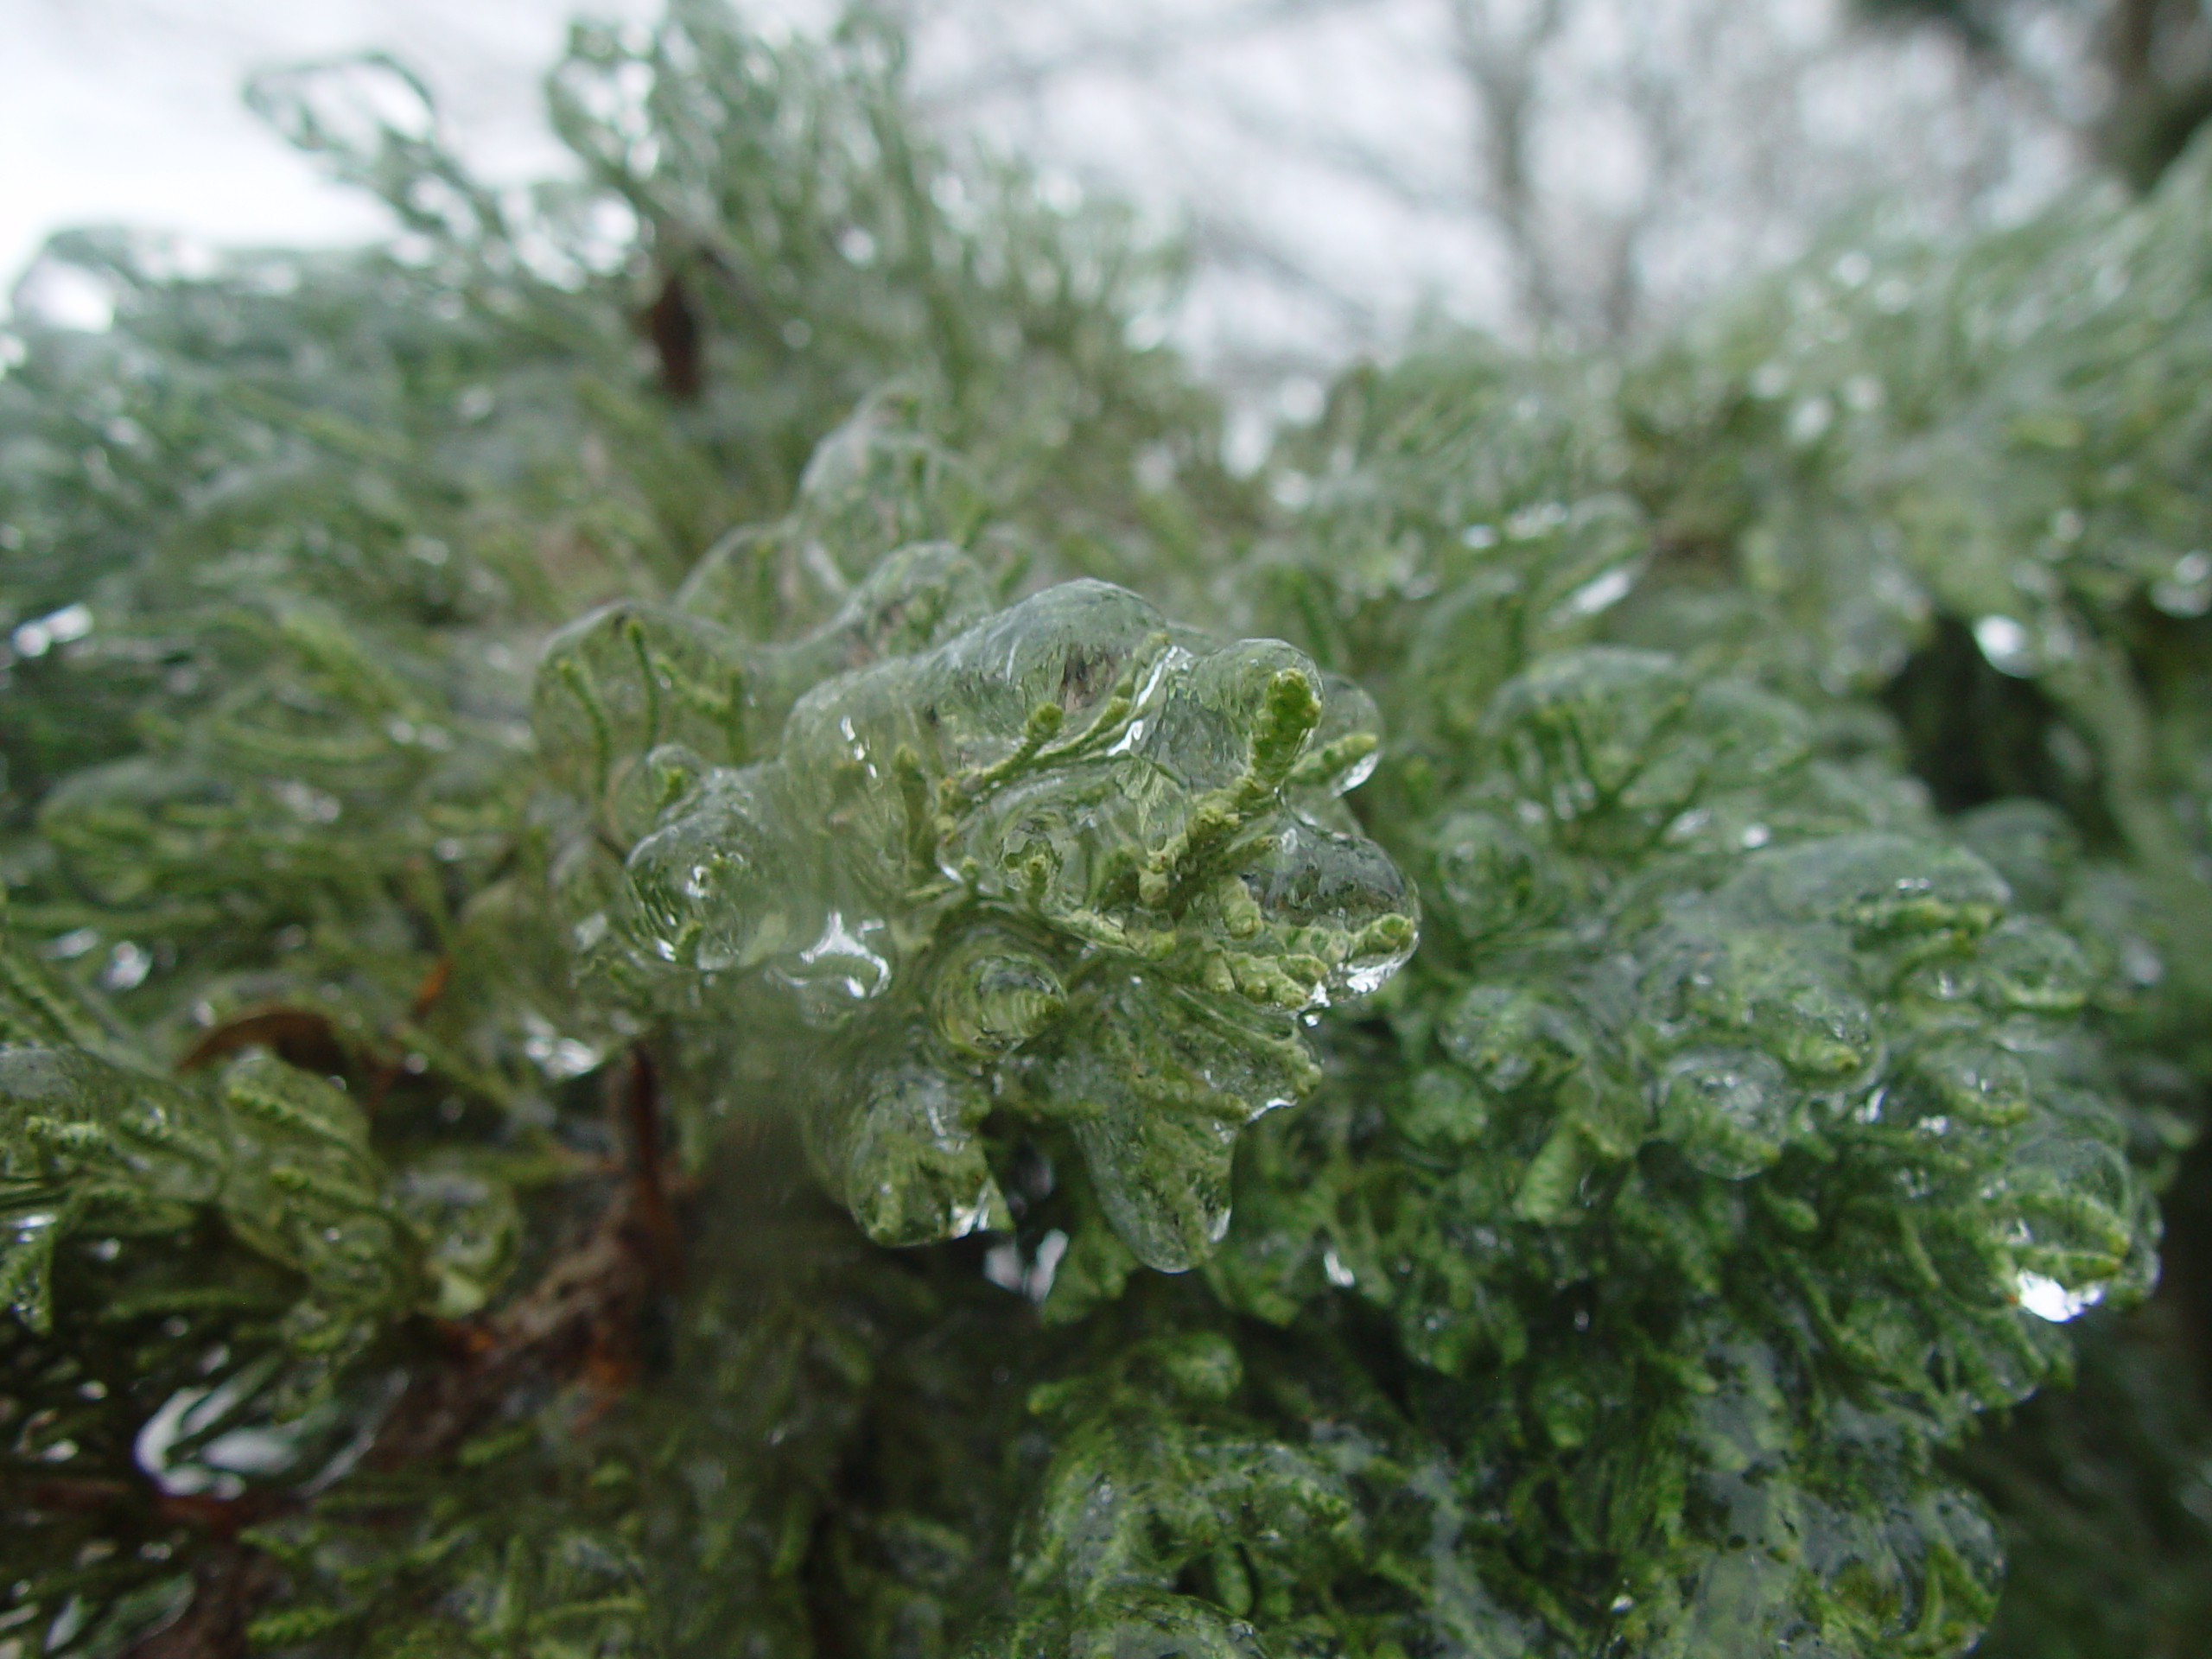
(1037, 1282)
(1002, 1266)
(993, 994)
(1600, 593)
(1728, 1109)
(1809, 420)
(2139, 962)
(2030, 964)
(127, 966)
(711, 887)
(841, 957)
(2004, 643)
(2047, 1299)
(72, 944)
(2188, 590)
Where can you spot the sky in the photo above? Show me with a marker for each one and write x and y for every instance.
(128, 111)
(1323, 156)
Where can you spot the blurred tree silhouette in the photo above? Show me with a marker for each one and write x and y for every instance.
(2142, 86)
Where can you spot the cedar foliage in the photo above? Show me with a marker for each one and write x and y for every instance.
(646, 1010)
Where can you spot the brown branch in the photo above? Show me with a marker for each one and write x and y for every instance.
(578, 1322)
(1500, 70)
(299, 1037)
(672, 325)
(635, 1089)
(577, 1327)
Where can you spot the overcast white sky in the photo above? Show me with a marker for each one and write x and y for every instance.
(1329, 149)
(128, 110)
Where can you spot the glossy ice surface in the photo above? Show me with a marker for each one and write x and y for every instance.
(1068, 862)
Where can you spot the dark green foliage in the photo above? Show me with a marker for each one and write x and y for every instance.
(611, 770)
(1780, 1052)
(2101, 1495)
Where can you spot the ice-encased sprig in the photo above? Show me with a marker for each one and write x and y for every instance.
(1072, 860)
(95, 1138)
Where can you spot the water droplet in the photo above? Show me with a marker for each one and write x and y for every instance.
(896, 1144)
(1037, 1282)
(126, 968)
(72, 945)
(841, 959)
(2028, 964)
(2004, 643)
(559, 1058)
(1728, 1111)
(1541, 519)
(712, 888)
(1600, 593)
(992, 994)
(61, 628)
(2047, 1299)
(1809, 420)
(1885, 884)
(1002, 1266)
(2188, 590)
(2139, 962)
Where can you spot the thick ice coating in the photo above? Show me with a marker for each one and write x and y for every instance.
(1065, 860)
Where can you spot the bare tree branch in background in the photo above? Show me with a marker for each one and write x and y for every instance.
(2132, 79)
(1128, 50)
(1576, 168)
(1497, 57)
(1570, 169)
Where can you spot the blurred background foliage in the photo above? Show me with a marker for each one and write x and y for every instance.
(373, 1291)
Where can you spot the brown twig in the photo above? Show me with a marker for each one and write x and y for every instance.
(639, 1093)
(578, 1320)
(673, 327)
(428, 991)
(298, 1037)
(577, 1327)
(579, 1323)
